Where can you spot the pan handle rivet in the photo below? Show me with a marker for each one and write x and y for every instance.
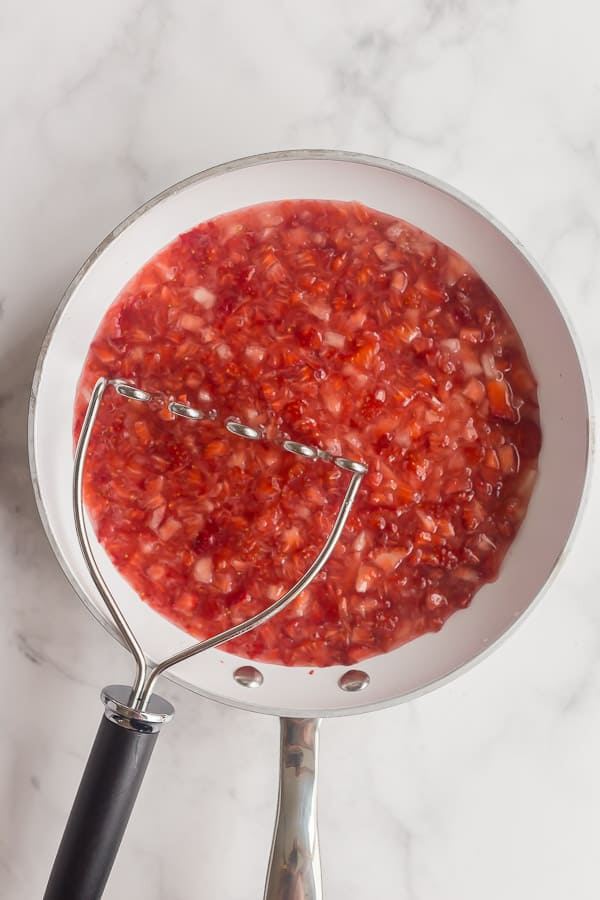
(248, 677)
(354, 680)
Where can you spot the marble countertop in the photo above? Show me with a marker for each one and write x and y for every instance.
(490, 786)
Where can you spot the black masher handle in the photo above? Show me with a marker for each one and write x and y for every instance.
(106, 796)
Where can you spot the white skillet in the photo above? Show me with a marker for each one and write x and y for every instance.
(293, 693)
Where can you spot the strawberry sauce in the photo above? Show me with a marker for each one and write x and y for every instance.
(338, 326)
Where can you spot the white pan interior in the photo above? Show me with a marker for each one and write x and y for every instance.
(455, 221)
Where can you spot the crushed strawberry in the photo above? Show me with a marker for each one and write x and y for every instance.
(335, 325)
(499, 395)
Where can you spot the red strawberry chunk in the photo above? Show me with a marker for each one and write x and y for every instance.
(499, 395)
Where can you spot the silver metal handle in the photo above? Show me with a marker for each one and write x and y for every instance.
(295, 867)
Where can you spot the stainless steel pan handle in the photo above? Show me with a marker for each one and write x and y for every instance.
(294, 867)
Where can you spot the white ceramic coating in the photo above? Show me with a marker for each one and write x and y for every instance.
(437, 209)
